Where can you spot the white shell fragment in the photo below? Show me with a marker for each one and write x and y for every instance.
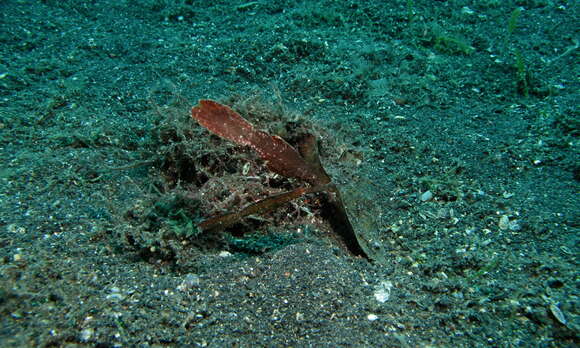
(383, 291)
(557, 313)
(506, 224)
(189, 282)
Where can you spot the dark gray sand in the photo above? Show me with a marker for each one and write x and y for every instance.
(451, 128)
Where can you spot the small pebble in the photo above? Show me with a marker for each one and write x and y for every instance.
(225, 254)
(115, 295)
(504, 222)
(426, 196)
(87, 334)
